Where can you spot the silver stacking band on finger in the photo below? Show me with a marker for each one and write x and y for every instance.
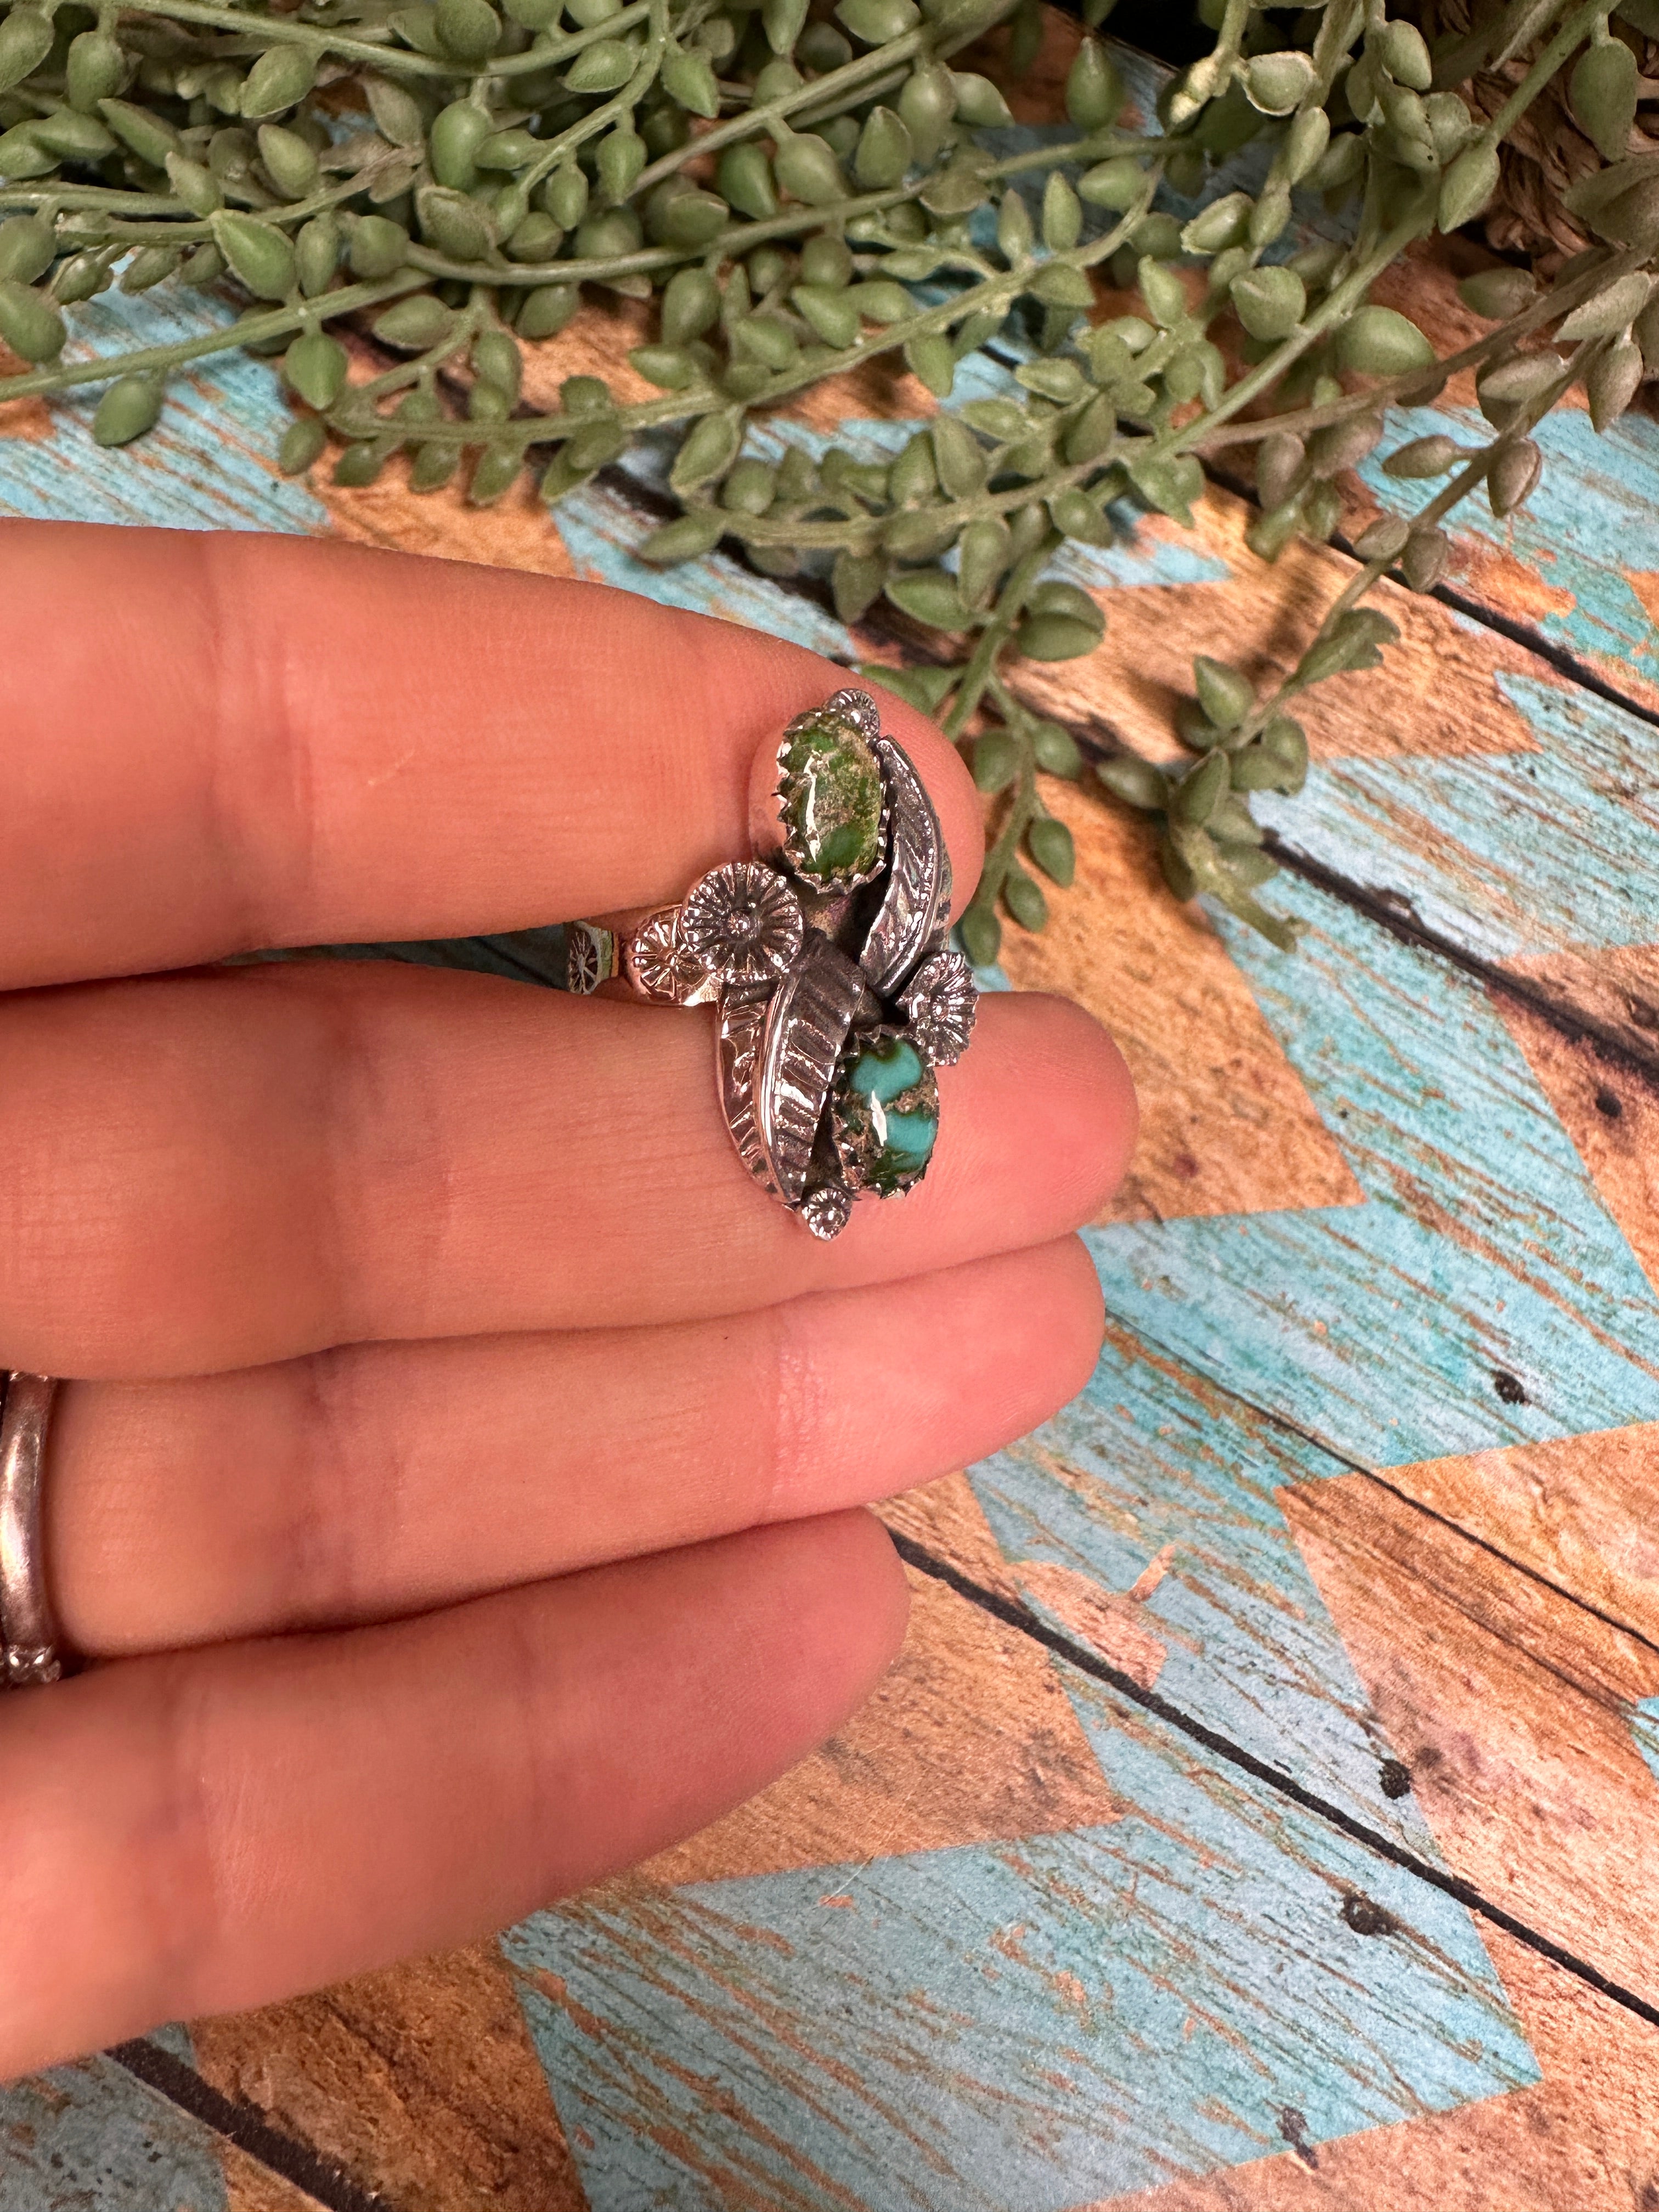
(830, 965)
(28, 1634)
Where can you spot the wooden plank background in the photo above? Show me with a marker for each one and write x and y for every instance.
(1262, 1813)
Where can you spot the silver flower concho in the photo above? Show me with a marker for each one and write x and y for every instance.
(837, 989)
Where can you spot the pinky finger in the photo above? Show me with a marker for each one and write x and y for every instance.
(215, 1830)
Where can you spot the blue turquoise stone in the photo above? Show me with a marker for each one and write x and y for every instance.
(888, 1117)
(885, 1070)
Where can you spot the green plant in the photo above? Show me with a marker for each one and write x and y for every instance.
(798, 193)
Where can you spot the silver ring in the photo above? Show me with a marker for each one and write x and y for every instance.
(27, 1631)
(829, 962)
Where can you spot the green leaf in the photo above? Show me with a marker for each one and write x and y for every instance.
(708, 452)
(980, 104)
(315, 366)
(808, 171)
(1049, 843)
(605, 66)
(1162, 291)
(1468, 187)
(1055, 637)
(1135, 782)
(1270, 302)
(956, 190)
(279, 80)
(1406, 56)
(1057, 750)
(1225, 695)
(685, 538)
(874, 22)
(1605, 85)
(1513, 476)
(1612, 381)
(1062, 214)
(375, 247)
(927, 688)
(1224, 222)
(1495, 294)
(1024, 900)
(151, 138)
(547, 310)
(27, 249)
(303, 444)
(1094, 90)
(1423, 457)
(855, 583)
(1276, 83)
(460, 227)
(996, 761)
(883, 151)
(127, 410)
(1058, 285)
(1380, 342)
(1611, 309)
(257, 253)
(687, 78)
(980, 933)
(25, 42)
(930, 596)
(1170, 484)
(30, 322)
(1200, 790)
(958, 457)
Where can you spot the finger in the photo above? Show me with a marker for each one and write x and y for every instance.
(215, 1830)
(308, 743)
(391, 1479)
(213, 1171)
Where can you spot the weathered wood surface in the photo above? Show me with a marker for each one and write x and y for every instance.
(1264, 1812)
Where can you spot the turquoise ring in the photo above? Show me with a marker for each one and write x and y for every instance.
(828, 960)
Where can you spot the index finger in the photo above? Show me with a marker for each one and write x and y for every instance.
(215, 743)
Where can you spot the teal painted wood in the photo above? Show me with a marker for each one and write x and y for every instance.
(1013, 2027)
(1482, 1248)
(208, 465)
(1507, 855)
(91, 2138)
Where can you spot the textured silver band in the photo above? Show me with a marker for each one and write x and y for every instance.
(27, 1627)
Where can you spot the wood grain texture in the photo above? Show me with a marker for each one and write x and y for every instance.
(421, 2082)
(1510, 1708)
(1227, 1125)
(1020, 2023)
(1583, 2140)
(90, 2137)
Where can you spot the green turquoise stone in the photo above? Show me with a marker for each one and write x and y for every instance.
(830, 787)
(888, 1117)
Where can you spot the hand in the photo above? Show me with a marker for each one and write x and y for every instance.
(456, 1496)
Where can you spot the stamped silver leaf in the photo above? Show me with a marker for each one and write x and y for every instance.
(807, 1020)
(742, 1030)
(916, 904)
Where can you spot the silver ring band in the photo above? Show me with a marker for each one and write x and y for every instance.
(27, 1631)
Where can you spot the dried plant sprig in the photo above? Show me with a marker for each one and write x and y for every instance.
(799, 192)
